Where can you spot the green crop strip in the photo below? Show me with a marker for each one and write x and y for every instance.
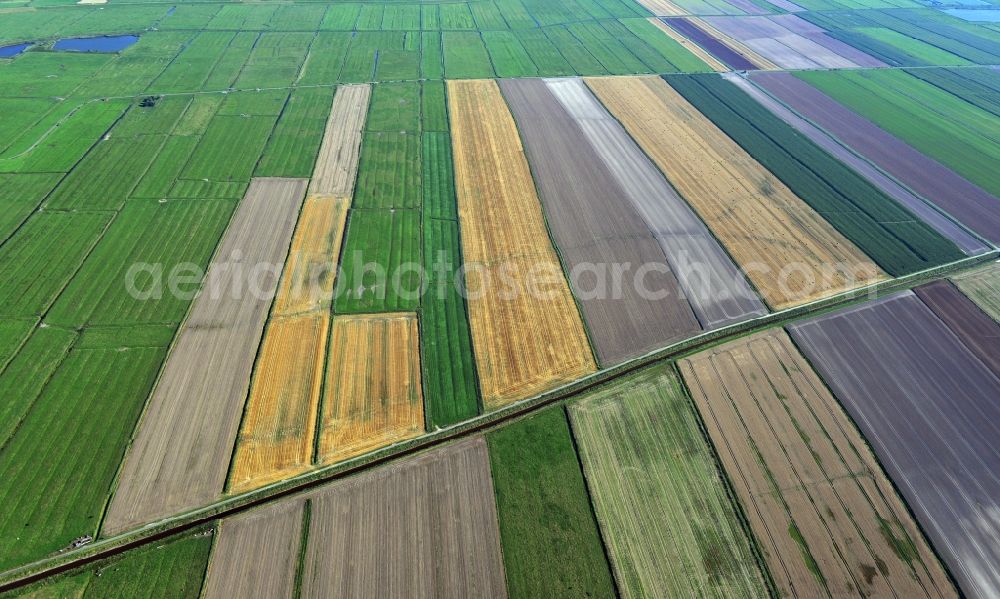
(895, 238)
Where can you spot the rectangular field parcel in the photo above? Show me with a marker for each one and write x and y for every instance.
(714, 286)
(256, 553)
(432, 518)
(593, 223)
(829, 521)
(666, 517)
(373, 395)
(928, 408)
(524, 344)
(551, 544)
(756, 217)
(182, 448)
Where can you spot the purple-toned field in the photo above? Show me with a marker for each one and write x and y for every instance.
(929, 409)
(979, 332)
(967, 242)
(963, 200)
(792, 43)
(715, 47)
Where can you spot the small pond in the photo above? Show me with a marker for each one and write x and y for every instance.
(106, 43)
(14, 50)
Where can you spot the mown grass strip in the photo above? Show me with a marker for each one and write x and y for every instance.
(669, 524)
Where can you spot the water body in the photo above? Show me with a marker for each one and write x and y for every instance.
(115, 43)
(980, 15)
(14, 50)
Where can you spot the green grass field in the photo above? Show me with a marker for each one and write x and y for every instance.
(171, 569)
(937, 123)
(551, 544)
(669, 524)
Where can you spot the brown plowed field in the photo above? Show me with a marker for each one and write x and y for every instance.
(308, 277)
(829, 521)
(256, 553)
(337, 165)
(790, 252)
(373, 396)
(183, 446)
(425, 527)
(526, 343)
(279, 426)
(596, 226)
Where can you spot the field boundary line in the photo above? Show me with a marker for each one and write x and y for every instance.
(229, 506)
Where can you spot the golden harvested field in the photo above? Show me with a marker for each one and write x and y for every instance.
(276, 440)
(828, 519)
(525, 342)
(498, 208)
(373, 396)
(337, 164)
(787, 250)
(308, 278)
(690, 46)
(737, 46)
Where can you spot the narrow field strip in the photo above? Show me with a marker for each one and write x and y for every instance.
(593, 223)
(337, 164)
(716, 289)
(307, 281)
(423, 527)
(666, 518)
(551, 545)
(966, 241)
(686, 27)
(688, 45)
(256, 553)
(278, 433)
(373, 395)
(886, 231)
(182, 448)
(927, 406)
(962, 199)
(527, 344)
(737, 46)
(762, 224)
(829, 521)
